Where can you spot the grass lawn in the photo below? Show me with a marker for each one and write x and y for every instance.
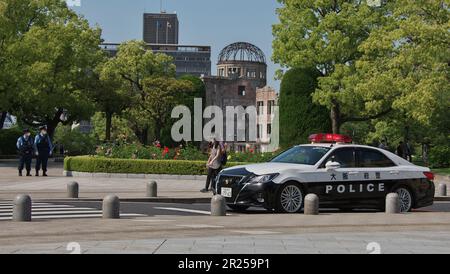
(442, 171)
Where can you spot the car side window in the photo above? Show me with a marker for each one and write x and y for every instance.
(344, 156)
(372, 158)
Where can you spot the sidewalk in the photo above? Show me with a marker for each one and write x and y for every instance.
(430, 242)
(55, 185)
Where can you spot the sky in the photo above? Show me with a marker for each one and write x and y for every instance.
(216, 23)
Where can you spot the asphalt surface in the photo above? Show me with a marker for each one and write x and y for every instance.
(156, 209)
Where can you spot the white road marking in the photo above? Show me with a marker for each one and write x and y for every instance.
(50, 209)
(38, 206)
(80, 216)
(184, 210)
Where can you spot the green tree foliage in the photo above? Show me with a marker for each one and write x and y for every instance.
(132, 65)
(50, 54)
(299, 117)
(326, 34)
(121, 132)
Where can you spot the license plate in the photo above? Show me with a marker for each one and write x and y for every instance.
(226, 192)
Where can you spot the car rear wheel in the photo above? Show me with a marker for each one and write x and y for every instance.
(406, 199)
(238, 208)
(290, 198)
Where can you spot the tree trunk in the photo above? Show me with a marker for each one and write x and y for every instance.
(108, 127)
(335, 116)
(3, 118)
(144, 136)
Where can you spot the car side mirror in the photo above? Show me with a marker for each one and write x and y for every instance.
(332, 166)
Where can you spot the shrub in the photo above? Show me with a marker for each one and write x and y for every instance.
(74, 141)
(440, 156)
(8, 140)
(109, 165)
(299, 116)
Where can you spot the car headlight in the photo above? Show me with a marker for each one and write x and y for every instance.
(262, 178)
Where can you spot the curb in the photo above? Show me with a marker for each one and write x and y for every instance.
(167, 200)
(442, 199)
(132, 176)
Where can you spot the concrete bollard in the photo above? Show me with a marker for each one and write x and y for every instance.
(22, 209)
(392, 203)
(218, 206)
(311, 204)
(72, 190)
(442, 190)
(152, 189)
(111, 207)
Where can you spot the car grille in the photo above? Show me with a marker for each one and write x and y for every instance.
(229, 181)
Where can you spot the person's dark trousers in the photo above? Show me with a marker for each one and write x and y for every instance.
(42, 160)
(25, 162)
(212, 174)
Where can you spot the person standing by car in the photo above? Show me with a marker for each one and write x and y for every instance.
(213, 165)
(25, 148)
(43, 147)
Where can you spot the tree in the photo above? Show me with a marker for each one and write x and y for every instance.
(326, 35)
(299, 117)
(133, 64)
(55, 63)
(160, 97)
(110, 95)
(17, 18)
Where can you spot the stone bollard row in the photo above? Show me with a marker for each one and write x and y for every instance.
(442, 190)
(22, 208)
(311, 204)
(152, 189)
(73, 190)
(111, 207)
(218, 206)
(392, 203)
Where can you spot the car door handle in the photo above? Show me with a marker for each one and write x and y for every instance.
(394, 172)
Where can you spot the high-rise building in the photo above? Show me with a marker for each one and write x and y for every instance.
(161, 28)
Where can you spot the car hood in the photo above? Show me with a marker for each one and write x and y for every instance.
(265, 168)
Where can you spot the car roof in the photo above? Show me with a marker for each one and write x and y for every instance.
(395, 158)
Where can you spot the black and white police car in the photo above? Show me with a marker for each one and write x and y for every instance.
(344, 176)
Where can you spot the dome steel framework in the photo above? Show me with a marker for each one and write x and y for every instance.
(242, 52)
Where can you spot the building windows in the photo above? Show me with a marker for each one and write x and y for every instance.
(260, 107)
(234, 71)
(270, 107)
(259, 131)
(251, 73)
(241, 90)
(221, 72)
(269, 129)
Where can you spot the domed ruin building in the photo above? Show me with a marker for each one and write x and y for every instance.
(241, 71)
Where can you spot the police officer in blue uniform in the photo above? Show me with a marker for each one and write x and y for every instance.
(43, 147)
(25, 147)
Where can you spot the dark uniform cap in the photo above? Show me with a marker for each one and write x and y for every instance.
(26, 130)
(42, 128)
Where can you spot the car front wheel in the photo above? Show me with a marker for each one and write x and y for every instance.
(290, 198)
(406, 199)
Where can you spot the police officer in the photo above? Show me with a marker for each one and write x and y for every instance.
(25, 146)
(43, 147)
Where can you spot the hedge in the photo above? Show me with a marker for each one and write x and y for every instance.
(131, 166)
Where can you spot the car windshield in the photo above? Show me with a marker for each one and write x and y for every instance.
(304, 155)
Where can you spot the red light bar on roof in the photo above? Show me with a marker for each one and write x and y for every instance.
(330, 138)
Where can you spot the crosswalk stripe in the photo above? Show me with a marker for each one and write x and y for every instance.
(78, 216)
(38, 206)
(51, 209)
(54, 211)
(185, 210)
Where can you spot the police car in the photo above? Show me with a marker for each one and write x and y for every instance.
(344, 176)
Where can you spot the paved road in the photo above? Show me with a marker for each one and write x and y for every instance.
(79, 210)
